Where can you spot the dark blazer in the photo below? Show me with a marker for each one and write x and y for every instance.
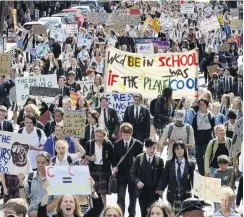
(66, 92)
(107, 155)
(141, 127)
(235, 89)
(169, 179)
(8, 126)
(87, 137)
(4, 92)
(113, 121)
(231, 81)
(161, 110)
(216, 92)
(46, 67)
(49, 128)
(119, 151)
(138, 172)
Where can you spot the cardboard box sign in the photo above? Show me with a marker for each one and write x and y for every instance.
(5, 63)
(44, 91)
(135, 11)
(39, 29)
(223, 47)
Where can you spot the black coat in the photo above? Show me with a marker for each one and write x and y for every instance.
(8, 126)
(138, 172)
(161, 111)
(119, 151)
(169, 179)
(87, 137)
(65, 92)
(113, 121)
(4, 92)
(107, 154)
(235, 89)
(218, 92)
(141, 127)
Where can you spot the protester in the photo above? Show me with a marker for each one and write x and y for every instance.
(160, 209)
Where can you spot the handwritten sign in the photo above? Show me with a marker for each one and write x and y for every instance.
(74, 123)
(187, 9)
(145, 48)
(23, 85)
(167, 21)
(86, 87)
(150, 74)
(44, 91)
(39, 29)
(117, 27)
(4, 63)
(237, 24)
(14, 150)
(56, 34)
(107, 18)
(209, 24)
(84, 41)
(237, 139)
(119, 101)
(223, 47)
(42, 50)
(207, 188)
(68, 180)
(212, 69)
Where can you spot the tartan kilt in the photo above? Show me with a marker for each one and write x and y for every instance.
(101, 179)
(176, 206)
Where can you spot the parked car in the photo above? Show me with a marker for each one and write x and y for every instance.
(76, 13)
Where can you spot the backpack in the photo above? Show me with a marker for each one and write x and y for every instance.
(187, 131)
(152, 106)
(68, 159)
(38, 131)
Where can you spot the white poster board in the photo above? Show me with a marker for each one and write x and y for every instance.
(57, 34)
(83, 41)
(207, 188)
(68, 180)
(14, 150)
(86, 87)
(23, 86)
(145, 48)
(119, 101)
(187, 9)
(209, 24)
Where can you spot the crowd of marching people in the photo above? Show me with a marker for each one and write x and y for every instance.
(197, 133)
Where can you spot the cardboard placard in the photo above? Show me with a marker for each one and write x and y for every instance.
(145, 48)
(5, 63)
(223, 47)
(187, 9)
(39, 29)
(68, 180)
(74, 123)
(86, 87)
(57, 34)
(44, 91)
(209, 24)
(14, 150)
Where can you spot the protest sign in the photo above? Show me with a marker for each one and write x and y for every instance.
(119, 101)
(42, 50)
(209, 24)
(145, 48)
(56, 34)
(207, 188)
(84, 41)
(44, 91)
(86, 87)
(70, 29)
(237, 24)
(12, 57)
(4, 63)
(117, 27)
(155, 26)
(108, 18)
(237, 139)
(14, 149)
(150, 74)
(221, 20)
(187, 9)
(68, 180)
(39, 29)
(167, 21)
(135, 11)
(23, 85)
(74, 123)
(223, 47)
(212, 69)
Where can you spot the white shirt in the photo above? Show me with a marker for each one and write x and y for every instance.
(64, 162)
(101, 119)
(139, 107)
(98, 155)
(35, 142)
(95, 127)
(182, 166)
(1, 123)
(151, 158)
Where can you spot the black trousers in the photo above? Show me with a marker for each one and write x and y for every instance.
(200, 154)
(132, 195)
(146, 199)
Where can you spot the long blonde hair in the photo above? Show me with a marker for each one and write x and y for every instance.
(113, 206)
